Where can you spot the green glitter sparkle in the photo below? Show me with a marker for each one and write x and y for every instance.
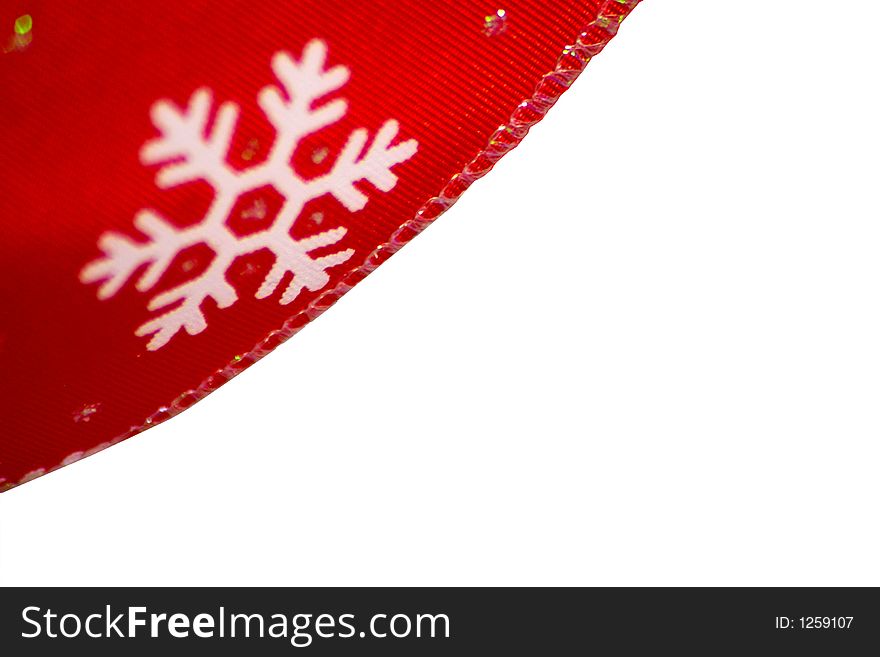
(24, 24)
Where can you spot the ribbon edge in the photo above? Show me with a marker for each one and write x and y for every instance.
(569, 65)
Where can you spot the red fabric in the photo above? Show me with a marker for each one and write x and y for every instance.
(77, 91)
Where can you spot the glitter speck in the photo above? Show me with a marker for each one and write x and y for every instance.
(320, 154)
(250, 150)
(257, 210)
(236, 358)
(495, 24)
(24, 24)
(318, 217)
(22, 35)
(86, 412)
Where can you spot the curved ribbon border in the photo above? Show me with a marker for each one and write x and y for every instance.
(570, 64)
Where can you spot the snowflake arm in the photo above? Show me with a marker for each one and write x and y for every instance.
(123, 256)
(374, 166)
(302, 82)
(188, 315)
(186, 149)
(293, 256)
(318, 279)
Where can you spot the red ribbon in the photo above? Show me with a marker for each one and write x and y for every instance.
(186, 186)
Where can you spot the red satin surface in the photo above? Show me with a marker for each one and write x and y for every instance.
(75, 113)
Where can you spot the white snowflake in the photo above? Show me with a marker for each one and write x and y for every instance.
(191, 148)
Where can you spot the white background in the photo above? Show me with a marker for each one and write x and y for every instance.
(645, 350)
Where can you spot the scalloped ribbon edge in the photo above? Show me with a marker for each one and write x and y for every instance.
(570, 64)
